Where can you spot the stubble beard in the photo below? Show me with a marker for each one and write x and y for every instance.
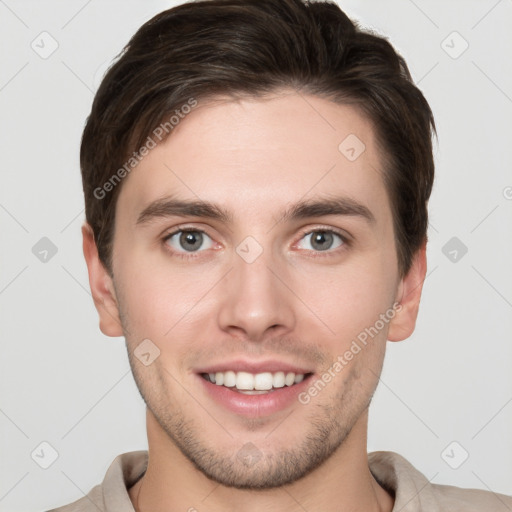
(326, 428)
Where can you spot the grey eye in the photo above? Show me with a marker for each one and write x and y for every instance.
(189, 241)
(322, 240)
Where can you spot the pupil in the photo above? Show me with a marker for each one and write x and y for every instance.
(191, 240)
(322, 240)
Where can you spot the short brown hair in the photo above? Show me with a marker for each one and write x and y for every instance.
(212, 48)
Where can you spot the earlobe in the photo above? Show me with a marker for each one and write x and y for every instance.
(408, 296)
(102, 286)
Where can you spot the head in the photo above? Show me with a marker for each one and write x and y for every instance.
(256, 177)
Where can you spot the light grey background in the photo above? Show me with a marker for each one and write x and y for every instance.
(66, 384)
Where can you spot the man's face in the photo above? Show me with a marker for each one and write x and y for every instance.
(265, 289)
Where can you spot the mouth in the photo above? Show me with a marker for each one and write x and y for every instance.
(255, 384)
(254, 391)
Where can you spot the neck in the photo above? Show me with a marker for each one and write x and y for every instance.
(343, 482)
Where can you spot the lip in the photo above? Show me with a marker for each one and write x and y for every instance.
(254, 406)
(254, 367)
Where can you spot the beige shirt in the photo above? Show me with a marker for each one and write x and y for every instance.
(412, 491)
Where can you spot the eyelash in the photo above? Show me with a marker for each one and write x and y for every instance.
(183, 255)
(315, 254)
(346, 242)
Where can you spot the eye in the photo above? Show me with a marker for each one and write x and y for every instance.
(189, 241)
(322, 240)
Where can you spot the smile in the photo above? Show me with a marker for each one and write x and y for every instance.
(254, 390)
(252, 384)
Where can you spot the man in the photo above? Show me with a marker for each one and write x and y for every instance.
(256, 177)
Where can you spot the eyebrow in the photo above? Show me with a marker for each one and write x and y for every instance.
(342, 206)
(171, 207)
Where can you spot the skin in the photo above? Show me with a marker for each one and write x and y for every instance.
(255, 158)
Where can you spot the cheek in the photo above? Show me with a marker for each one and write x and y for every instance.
(350, 298)
(165, 305)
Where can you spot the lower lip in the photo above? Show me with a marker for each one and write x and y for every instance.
(255, 405)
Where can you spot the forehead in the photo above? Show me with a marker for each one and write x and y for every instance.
(258, 154)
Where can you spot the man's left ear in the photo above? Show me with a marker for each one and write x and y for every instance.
(408, 295)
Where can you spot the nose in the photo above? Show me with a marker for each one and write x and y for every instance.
(255, 301)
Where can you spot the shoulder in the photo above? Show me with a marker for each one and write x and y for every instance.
(414, 492)
(469, 500)
(112, 494)
(92, 502)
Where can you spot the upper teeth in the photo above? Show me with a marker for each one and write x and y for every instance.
(259, 381)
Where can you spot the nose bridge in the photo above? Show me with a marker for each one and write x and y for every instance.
(254, 299)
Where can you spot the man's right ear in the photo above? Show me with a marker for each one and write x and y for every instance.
(102, 286)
